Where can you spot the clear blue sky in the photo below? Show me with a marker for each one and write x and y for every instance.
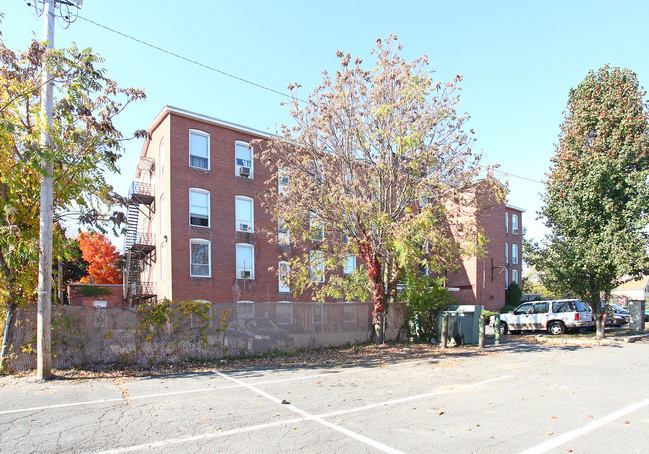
(519, 59)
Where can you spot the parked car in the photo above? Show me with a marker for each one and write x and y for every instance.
(556, 317)
(616, 315)
(255, 335)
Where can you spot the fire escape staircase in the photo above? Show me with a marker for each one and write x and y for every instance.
(139, 247)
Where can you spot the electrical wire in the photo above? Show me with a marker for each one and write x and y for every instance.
(202, 65)
(518, 176)
(241, 79)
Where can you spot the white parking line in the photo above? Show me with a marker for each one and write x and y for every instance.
(356, 436)
(305, 417)
(581, 431)
(171, 393)
(192, 391)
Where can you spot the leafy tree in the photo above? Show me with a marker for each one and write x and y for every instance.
(513, 295)
(85, 145)
(379, 167)
(102, 258)
(425, 297)
(597, 199)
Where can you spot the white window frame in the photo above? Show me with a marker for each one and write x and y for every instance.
(283, 237)
(237, 166)
(244, 267)
(515, 276)
(204, 134)
(238, 216)
(161, 152)
(515, 224)
(318, 313)
(349, 265)
(515, 254)
(506, 222)
(282, 186)
(314, 224)
(317, 268)
(283, 276)
(200, 191)
(506, 278)
(193, 241)
(506, 252)
(287, 309)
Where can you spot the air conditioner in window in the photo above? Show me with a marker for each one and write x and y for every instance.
(284, 180)
(515, 231)
(244, 171)
(245, 227)
(245, 274)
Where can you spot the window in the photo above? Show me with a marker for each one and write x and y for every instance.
(284, 313)
(245, 310)
(515, 224)
(515, 276)
(199, 150)
(244, 214)
(163, 260)
(317, 232)
(283, 236)
(199, 207)
(349, 265)
(506, 222)
(243, 159)
(162, 214)
(200, 265)
(162, 156)
(318, 313)
(283, 272)
(506, 252)
(283, 181)
(540, 308)
(515, 254)
(245, 261)
(317, 266)
(506, 278)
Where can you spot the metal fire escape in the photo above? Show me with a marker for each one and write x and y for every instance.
(139, 247)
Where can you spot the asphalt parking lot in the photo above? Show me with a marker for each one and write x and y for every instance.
(519, 397)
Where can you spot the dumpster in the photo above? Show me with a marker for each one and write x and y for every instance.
(463, 322)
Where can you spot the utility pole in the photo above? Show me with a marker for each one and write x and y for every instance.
(44, 317)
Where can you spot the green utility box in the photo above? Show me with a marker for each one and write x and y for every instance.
(463, 324)
(636, 315)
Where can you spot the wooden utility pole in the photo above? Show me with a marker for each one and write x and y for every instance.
(44, 317)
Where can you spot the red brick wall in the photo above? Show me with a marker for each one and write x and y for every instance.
(475, 280)
(115, 299)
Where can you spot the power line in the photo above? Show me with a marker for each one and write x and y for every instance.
(518, 176)
(241, 79)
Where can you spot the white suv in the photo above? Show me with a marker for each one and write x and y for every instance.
(556, 316)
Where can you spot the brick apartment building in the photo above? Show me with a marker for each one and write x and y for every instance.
(196, 222)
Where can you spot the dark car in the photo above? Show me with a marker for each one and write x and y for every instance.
(616, 315)
(255, 335)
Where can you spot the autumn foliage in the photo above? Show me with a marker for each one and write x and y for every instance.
(102, 258)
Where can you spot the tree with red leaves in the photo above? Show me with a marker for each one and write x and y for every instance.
(374, 167)
(102, 257)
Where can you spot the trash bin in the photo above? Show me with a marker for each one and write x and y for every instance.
(463, 323)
